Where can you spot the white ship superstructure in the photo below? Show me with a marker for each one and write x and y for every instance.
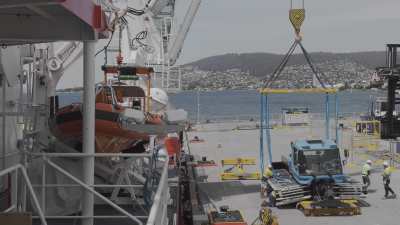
(43, 175)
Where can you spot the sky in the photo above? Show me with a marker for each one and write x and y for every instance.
(237, 26)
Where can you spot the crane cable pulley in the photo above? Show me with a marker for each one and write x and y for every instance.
(296, 17)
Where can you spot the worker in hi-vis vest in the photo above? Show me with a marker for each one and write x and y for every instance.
(387, 172)
(268, 172)
(240, 170)
(365, 172)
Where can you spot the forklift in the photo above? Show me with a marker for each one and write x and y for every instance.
(390, 120)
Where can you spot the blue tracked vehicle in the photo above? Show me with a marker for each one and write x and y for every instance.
(312, 171)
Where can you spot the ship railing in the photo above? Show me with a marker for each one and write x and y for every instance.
(158, 213)
(13, 170)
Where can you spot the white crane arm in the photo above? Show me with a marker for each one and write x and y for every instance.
(62, 59)
(156, 6)
(67, 54)
(176, 43)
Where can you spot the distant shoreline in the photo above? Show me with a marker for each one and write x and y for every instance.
(80, 89)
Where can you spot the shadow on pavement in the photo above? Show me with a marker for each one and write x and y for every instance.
(216, 190)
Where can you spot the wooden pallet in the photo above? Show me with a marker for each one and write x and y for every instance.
(16, 218)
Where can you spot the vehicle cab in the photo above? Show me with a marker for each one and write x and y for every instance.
(318, 159)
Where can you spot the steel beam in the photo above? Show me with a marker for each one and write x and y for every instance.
(4, 121)
(268, 130)
(327, 135)
(261, 133)
(28, 29)
(88, 128)
(337, 119)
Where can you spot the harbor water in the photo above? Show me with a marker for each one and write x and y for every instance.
(245, 104)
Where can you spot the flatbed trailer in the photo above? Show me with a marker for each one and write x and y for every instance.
(330, 208)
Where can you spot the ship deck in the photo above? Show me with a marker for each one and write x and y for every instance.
(223, 140)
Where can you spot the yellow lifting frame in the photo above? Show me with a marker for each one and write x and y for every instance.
(265, 114)
(296, 17)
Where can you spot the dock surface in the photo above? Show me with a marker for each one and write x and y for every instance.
(241, 139)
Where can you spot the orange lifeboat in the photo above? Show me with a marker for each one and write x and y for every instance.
(110, 135)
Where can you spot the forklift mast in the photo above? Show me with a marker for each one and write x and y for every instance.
(390, 123)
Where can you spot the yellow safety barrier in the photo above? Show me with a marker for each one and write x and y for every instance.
(367, 128)
(237, 161)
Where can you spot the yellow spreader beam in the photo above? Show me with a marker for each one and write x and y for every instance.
(238, 172)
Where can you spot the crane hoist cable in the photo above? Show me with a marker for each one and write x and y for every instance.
(139, 12)
(119, 56)
(296, 17)
(107, 45)
(135, 12)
